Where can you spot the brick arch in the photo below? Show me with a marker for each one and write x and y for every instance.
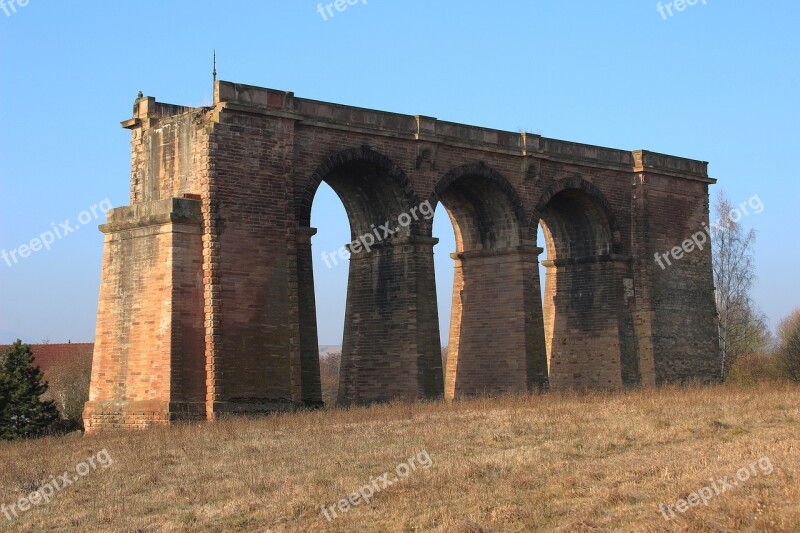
(488, 219)
(580, 184)
(366, 159)
(483, 171)
(482, 205)
(598, 213)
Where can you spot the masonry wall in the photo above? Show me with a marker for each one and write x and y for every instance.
(391, 337)
(207, 298)
(581, 318)
(149, 330)
(683, 310)
(493, 345)
(188, 368)
(306, 330)
(256, 358)
(166, 150)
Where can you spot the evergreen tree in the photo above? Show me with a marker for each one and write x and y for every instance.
(22, 413)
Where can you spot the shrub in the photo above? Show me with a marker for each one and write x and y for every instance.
(789, 345)
(753, 368)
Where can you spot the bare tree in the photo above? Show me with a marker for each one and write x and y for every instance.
(329, 364)
(789, 344)
(69, 388)
(742, 326)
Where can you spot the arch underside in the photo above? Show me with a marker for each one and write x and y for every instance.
(370, 197)
(503, 337)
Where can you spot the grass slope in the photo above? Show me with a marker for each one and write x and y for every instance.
(560, 461)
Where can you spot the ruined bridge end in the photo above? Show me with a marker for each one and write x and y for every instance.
(163, 345)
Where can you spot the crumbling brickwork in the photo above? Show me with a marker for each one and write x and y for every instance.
(207, 294)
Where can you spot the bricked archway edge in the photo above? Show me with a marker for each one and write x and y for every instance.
(580, 184)
(365, 154)
(483, 171)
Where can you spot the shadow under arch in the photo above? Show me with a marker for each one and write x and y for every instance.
(478, 192)
(589, 197)
(493, 343)
(390, 347)
(587, 329)
(373, 189)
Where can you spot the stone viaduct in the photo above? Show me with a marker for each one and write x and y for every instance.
(207, 295)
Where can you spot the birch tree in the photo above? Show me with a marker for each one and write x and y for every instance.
(742, 326)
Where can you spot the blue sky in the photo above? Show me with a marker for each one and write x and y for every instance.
(717, 82)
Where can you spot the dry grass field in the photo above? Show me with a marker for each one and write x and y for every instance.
(554, 462)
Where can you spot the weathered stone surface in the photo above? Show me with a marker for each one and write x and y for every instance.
(207, 296)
